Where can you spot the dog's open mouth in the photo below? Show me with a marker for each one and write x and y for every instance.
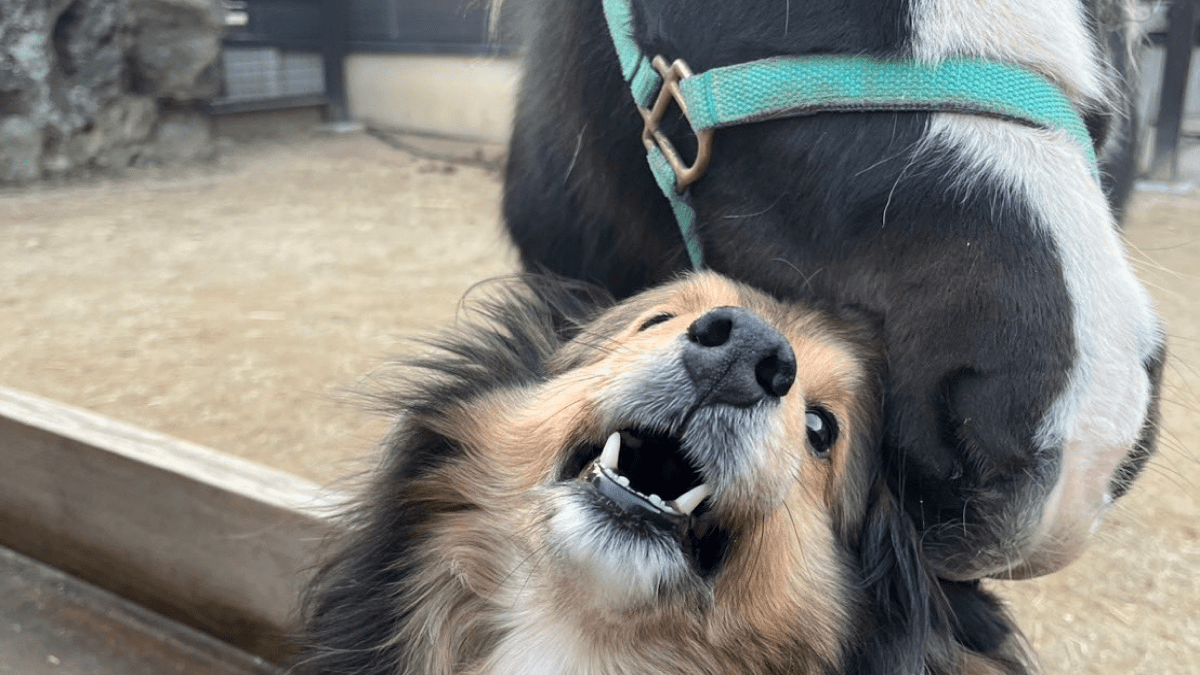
(648, 477)
(652, 476)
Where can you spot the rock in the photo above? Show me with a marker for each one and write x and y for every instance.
(183, 135)
(128, 120)
(168, 63)
(87, 79)
(175, 42)
(89, 41)
(21, 157)
(23, 63)
(113, 139)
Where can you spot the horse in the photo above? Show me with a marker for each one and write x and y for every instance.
(1024, 356)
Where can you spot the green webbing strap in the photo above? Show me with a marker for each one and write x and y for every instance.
(644, 83)
(793, 86)
(635, 67)
(681, 204)
(790, 86)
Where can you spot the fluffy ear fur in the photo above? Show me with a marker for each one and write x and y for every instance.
(350, 612)
(353, 611)
(923, 625)
(901, 591)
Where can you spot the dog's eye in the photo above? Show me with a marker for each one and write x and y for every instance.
(655, 320)
(822, 431)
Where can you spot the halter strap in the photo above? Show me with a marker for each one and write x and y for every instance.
(792, 86)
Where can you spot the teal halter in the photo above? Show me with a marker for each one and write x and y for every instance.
(791, 86)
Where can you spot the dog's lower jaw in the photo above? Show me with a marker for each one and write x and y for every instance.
(614, 570)
(540, 645)
(544, 635)
(543, 644)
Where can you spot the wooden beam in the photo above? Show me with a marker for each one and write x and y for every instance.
(56, 624)
(213, 541)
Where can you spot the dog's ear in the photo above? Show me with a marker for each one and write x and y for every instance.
(919, 624)
(982, 627)
(567, 304)
(354, 607)
(905, 604)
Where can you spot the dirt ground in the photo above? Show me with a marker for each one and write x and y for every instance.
(235, 304)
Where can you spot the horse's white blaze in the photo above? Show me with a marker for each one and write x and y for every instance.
(1097, 420)
(1047, 36)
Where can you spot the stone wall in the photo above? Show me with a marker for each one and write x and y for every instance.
(104, 83)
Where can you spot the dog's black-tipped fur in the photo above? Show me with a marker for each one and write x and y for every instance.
(921, 624)
(504, 340)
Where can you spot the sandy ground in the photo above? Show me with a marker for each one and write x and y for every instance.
(235, 304)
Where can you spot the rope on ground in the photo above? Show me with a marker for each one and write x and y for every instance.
(477, 159)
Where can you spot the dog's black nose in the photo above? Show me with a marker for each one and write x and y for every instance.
(736, 358)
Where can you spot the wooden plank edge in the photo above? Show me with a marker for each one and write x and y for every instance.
(62, 624)
(213, 541)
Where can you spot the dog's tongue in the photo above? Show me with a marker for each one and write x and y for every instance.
(604, 475)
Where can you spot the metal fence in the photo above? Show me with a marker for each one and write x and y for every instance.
(286, 53)
(432, 26)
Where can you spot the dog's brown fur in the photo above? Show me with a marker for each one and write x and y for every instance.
(480, 550)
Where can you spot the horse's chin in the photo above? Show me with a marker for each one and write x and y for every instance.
(1071, 514)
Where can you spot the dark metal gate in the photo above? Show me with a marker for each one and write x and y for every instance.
(284, 53)
(1179, 38)
(431, 26)
(287, 53)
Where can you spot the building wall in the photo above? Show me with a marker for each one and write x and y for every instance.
(460, 96)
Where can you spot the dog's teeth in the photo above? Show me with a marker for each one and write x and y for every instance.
(612, 451)
(631, 440)
(656, 500)
(688, 501)
(623, 480)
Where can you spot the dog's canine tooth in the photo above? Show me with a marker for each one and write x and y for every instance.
(688, 501)
(612, 451)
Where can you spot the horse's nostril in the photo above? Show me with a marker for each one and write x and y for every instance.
(711, 330)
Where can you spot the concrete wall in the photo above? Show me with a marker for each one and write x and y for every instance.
(459, 96)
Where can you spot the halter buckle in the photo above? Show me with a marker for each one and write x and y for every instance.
(653, 137)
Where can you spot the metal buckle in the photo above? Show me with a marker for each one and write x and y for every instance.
(651, 135)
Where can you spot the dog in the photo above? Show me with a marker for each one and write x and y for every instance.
(1025, 358)
(686, 482)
